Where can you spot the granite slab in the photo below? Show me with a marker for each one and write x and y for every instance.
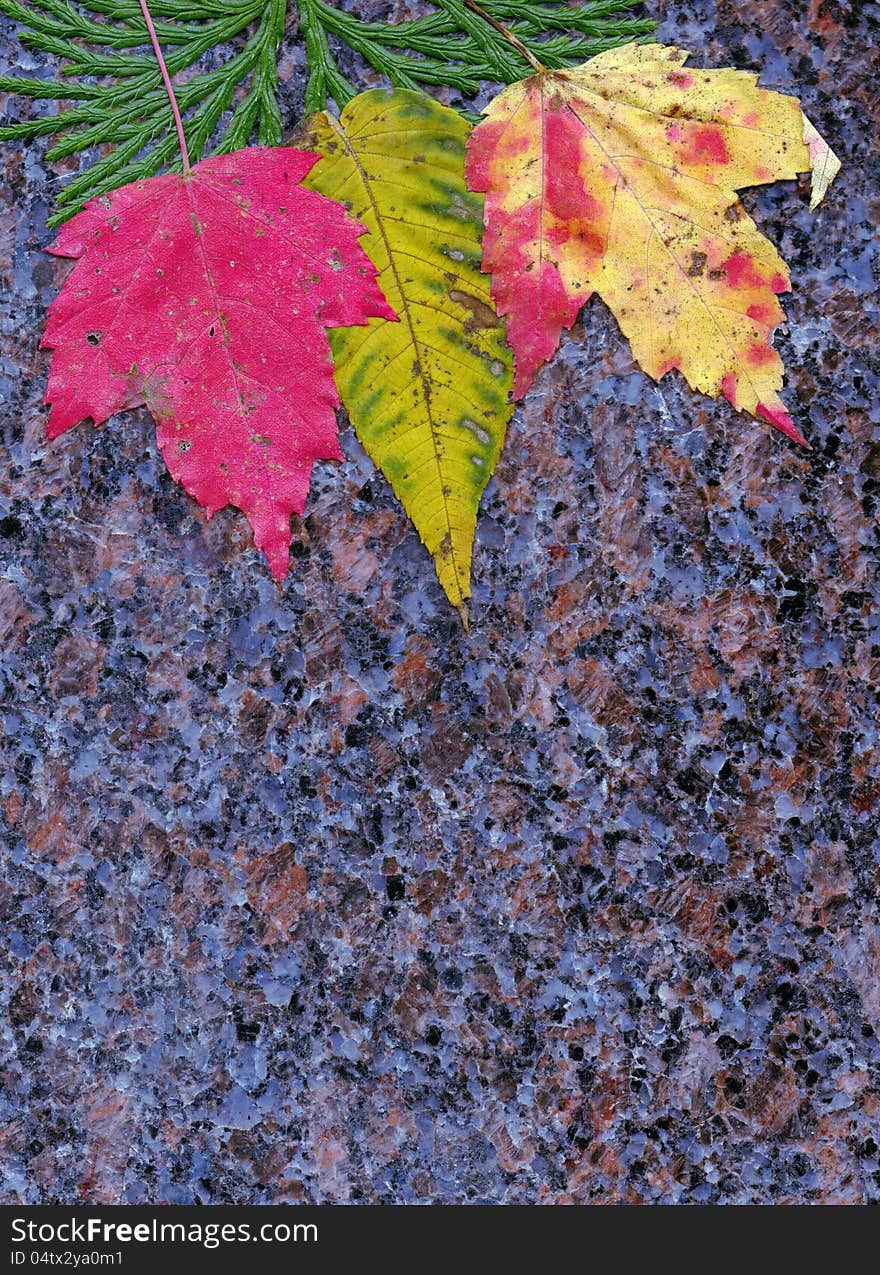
(307, 895)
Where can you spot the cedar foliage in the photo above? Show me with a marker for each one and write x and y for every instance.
(111, 105)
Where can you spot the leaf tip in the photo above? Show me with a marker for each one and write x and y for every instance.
(278, 565)
(62, 417)
(824, 164)
(778, 417)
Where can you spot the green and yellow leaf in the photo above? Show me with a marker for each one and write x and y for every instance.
(428, 395)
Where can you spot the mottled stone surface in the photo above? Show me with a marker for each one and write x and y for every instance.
(309, 896)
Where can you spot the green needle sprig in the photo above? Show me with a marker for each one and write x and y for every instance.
(457, 48)
(114, 101)
(119, 100)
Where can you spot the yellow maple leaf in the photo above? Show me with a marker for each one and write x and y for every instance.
(620, 177)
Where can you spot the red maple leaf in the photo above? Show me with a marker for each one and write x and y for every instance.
(207, 297)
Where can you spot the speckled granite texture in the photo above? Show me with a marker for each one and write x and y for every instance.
(307, 896)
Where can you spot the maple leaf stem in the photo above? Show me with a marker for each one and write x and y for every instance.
(166, 78)
(508, 35)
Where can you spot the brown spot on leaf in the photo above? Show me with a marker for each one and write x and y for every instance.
(482, 315)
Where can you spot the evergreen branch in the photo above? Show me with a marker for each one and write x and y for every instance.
(128, 108)
(111, 95)
(472, 51)
(498, 52)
